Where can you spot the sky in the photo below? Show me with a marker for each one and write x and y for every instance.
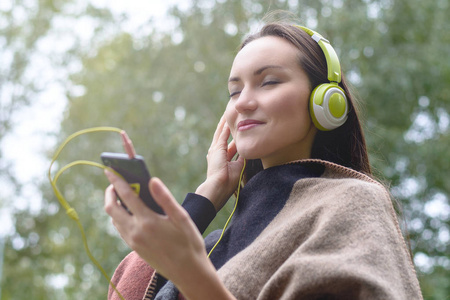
(34, 126)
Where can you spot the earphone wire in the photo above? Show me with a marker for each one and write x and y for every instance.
(71, 212)
(232, 212)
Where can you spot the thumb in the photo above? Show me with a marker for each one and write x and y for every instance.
(239, 165)
(164, 197)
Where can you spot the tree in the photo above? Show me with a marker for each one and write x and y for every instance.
(21, 28)
(27, 31)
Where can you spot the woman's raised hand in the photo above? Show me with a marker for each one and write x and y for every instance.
(223, 174)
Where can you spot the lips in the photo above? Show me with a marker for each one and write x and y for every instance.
(248, 124)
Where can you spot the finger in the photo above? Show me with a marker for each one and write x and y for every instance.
(232, 150)
(224, 135)
(219, 129)
(239, 163)
(127, 144)
(165, 199)
(112, 207)
(128, 196)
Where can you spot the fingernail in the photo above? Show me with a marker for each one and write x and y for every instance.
(107, 172)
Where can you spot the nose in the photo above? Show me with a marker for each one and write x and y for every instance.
(246, 101)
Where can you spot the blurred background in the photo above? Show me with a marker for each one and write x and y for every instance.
(158, 69)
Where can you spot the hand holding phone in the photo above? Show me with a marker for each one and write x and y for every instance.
(135, 172)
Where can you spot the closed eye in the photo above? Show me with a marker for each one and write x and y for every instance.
(234, 94)
(270, 82)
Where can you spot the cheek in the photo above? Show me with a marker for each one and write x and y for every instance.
(292, 115)
(301, 105)
(292, 108)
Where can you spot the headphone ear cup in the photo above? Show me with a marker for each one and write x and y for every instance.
(328, 106)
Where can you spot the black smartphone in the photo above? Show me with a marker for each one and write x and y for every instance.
(135, 172)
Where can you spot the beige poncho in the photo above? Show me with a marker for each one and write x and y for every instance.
(337, 237)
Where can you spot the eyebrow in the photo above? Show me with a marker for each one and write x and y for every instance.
(257, 72)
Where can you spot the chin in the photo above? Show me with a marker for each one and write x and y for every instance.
(249, 154)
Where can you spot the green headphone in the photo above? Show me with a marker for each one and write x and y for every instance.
(328, 102)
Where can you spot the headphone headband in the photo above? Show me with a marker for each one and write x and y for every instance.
(333, 65)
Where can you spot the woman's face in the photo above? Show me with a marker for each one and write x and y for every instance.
(268, 108)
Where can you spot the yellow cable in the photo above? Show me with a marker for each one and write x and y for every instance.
(58, 151)
(232, 213)
(77, 162)
(71, 212)
(78, 133)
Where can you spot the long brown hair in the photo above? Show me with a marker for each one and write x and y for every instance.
(345, 145)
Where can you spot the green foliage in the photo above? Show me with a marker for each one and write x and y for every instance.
(21, 27)
(168, 90)
(18, 41)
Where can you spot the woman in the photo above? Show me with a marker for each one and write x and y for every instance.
(310, 222)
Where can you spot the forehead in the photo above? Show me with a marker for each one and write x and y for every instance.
(266, 50)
